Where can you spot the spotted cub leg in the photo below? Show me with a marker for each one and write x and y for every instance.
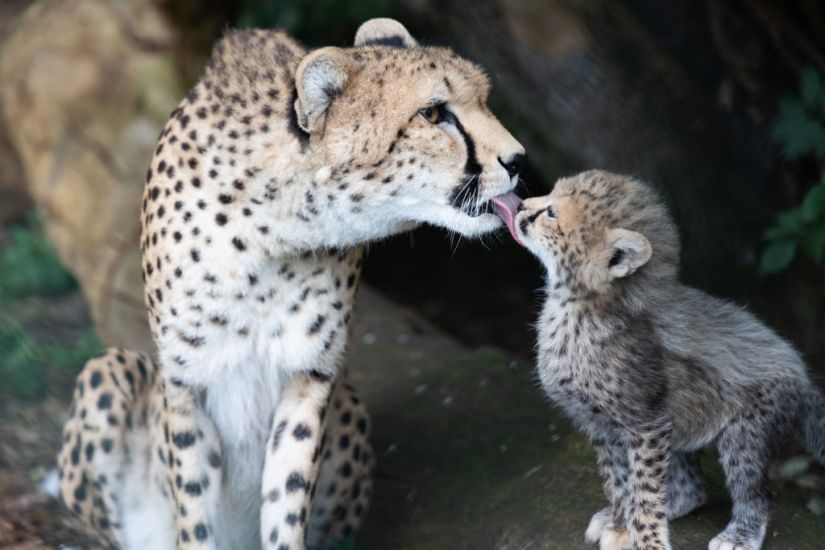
(291, 465)
(685, 485)
(607, 527)
(345, 479)
(107, 421)
(649, 455)
(745, 447)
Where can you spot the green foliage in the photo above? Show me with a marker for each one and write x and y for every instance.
(30, 266)
(27, 366)
(800, 131)
(317, 22)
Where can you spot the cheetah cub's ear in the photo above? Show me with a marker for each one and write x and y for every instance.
(384, 32)
(627, 251)
(320, 78)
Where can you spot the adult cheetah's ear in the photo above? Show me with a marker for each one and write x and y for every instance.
(627, 251)
(320, 78)
(382, 31)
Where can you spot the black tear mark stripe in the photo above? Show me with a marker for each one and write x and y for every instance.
(528, 220)
(472, 168)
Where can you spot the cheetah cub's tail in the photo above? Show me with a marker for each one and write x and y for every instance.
(812, 424)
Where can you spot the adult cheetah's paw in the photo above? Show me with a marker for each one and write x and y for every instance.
(597, 524)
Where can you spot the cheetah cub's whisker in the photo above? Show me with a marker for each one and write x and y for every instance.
(652, 370)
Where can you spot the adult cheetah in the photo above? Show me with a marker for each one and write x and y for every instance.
(267, 180)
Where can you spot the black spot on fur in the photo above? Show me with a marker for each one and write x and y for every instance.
(193, 488)
(276, 437)
(239, 244)
(200, 532)
(214, 459)
(296, 482)
(301, 432)
(105, 401)
(183, 440)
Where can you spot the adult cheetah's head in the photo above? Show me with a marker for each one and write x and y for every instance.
(405, 132)
(598, 232)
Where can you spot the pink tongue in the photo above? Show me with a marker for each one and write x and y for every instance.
(506, 206)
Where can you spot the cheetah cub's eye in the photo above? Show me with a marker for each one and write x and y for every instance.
(433, 113)
(550, 212)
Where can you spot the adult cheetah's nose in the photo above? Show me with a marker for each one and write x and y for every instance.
(515, 164)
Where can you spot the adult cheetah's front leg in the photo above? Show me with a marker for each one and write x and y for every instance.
(292, 461)
(194, 457)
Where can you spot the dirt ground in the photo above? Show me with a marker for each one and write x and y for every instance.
(470, 455)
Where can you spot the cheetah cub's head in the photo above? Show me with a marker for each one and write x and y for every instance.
(405, 130)
(597, 232)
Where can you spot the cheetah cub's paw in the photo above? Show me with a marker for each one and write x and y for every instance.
(601, 531)
(597, 524)
(725, 542)
(615, 539)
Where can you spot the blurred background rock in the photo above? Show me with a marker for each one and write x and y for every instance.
(719, 102)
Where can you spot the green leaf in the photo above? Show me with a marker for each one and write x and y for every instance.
(813, 205)
(777, 256)
(789, 223)
(810, 86)
(796, 131)
(814, 243)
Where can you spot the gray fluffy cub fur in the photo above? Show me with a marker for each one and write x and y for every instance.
(652, 370)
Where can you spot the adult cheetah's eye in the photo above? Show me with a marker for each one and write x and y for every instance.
(550, 212)
(433, 113)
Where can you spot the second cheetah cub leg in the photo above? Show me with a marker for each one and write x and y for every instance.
(685, 485)
(609, 523)
(292, 460)
(745, 447)
(193, 450)
(648, 456)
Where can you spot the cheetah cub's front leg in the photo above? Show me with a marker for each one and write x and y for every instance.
(634, 478)
(685, 491)
(608, 526)
(649, 455)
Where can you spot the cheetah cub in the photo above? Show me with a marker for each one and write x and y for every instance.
(652, 370)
